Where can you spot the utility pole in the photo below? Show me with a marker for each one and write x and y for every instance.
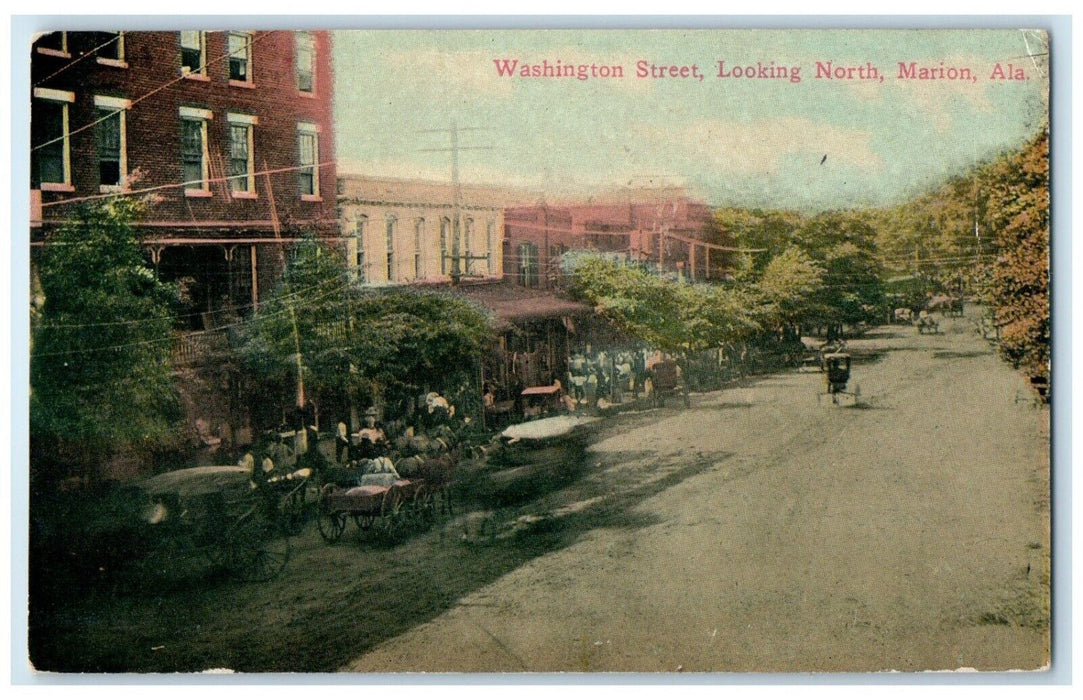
(456, 223)
(301, 440)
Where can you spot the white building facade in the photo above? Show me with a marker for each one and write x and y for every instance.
(399, 231)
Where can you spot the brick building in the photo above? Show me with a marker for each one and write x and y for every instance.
(230, 130)
(662, 226)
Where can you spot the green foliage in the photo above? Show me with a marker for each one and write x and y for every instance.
(790, 283)
(844, 244)
(362, 343)
(99, 364)
(676, 317)
(768, 231)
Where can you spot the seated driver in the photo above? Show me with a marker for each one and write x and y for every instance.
(371, 440)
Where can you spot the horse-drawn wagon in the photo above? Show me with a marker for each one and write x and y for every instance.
(926, 324)
(218, 515)
(836, 379)
(377, 497)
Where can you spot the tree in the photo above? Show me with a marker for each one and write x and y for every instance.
(679, 318)
(99, 363)
(1018, 211)
(354, 345)
(844, 243)
(790, 283)
(770, 231)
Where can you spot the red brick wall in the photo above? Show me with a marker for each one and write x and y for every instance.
(154, 129)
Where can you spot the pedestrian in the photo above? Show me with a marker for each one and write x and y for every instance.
(342, 443)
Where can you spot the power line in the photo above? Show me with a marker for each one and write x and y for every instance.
(156, 188)
(88, 54)
(170, 338)
(456, 233)
(155, 91)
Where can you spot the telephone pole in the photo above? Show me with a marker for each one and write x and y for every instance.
(456, 223)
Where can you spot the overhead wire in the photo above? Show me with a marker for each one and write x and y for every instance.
(153, 92)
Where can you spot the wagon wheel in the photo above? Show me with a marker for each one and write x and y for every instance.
(444, 504)
(364, 521)
(258, 549)
(331, 525)
(425, 505)
(393, 517)
(293, 508)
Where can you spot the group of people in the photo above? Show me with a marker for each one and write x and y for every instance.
(597, 378)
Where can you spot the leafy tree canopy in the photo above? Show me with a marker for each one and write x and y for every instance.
(99, 363)
(365, 342)
(676, 317)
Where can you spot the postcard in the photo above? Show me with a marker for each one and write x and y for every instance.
(672, 351)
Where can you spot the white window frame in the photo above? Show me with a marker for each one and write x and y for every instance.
(310, 37)
(490, 234)
(64, 98)
(121, 107)
(419, 238)
(62, 52)
(446, 232)
(203, 116)
(313, 130)
(249, 80)
(390, 230)
(468, 236)
(200, 73)
(119, 61)
(249, 121)
(360, 262)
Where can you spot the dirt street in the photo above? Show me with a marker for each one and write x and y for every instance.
(781, 536)
(756, 531)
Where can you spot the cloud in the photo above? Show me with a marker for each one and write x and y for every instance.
(762, 147)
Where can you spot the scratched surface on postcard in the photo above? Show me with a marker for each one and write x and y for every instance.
(579, 350)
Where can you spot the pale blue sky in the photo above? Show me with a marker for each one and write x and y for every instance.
(734, 141)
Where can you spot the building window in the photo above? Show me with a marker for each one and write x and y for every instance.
(241, 160)
(445, 230)
(305, 60)
(193, 52)
(112, 148)
(490, 233)
(308, 152)
(239, 46)
(359, 234)
(419, 235)
(53, 44)
(109, 48)
(391, 221)
(194, 148)
(528, 265)
(52, 151)
(468, 238)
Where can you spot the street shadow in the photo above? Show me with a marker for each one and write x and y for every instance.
(334, 603)
(886, 332)
(960, 354)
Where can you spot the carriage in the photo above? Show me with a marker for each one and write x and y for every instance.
(665, 381)
(927, 325)
(213, 515)
(388, 510)
(836, 380)
(387, 503)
